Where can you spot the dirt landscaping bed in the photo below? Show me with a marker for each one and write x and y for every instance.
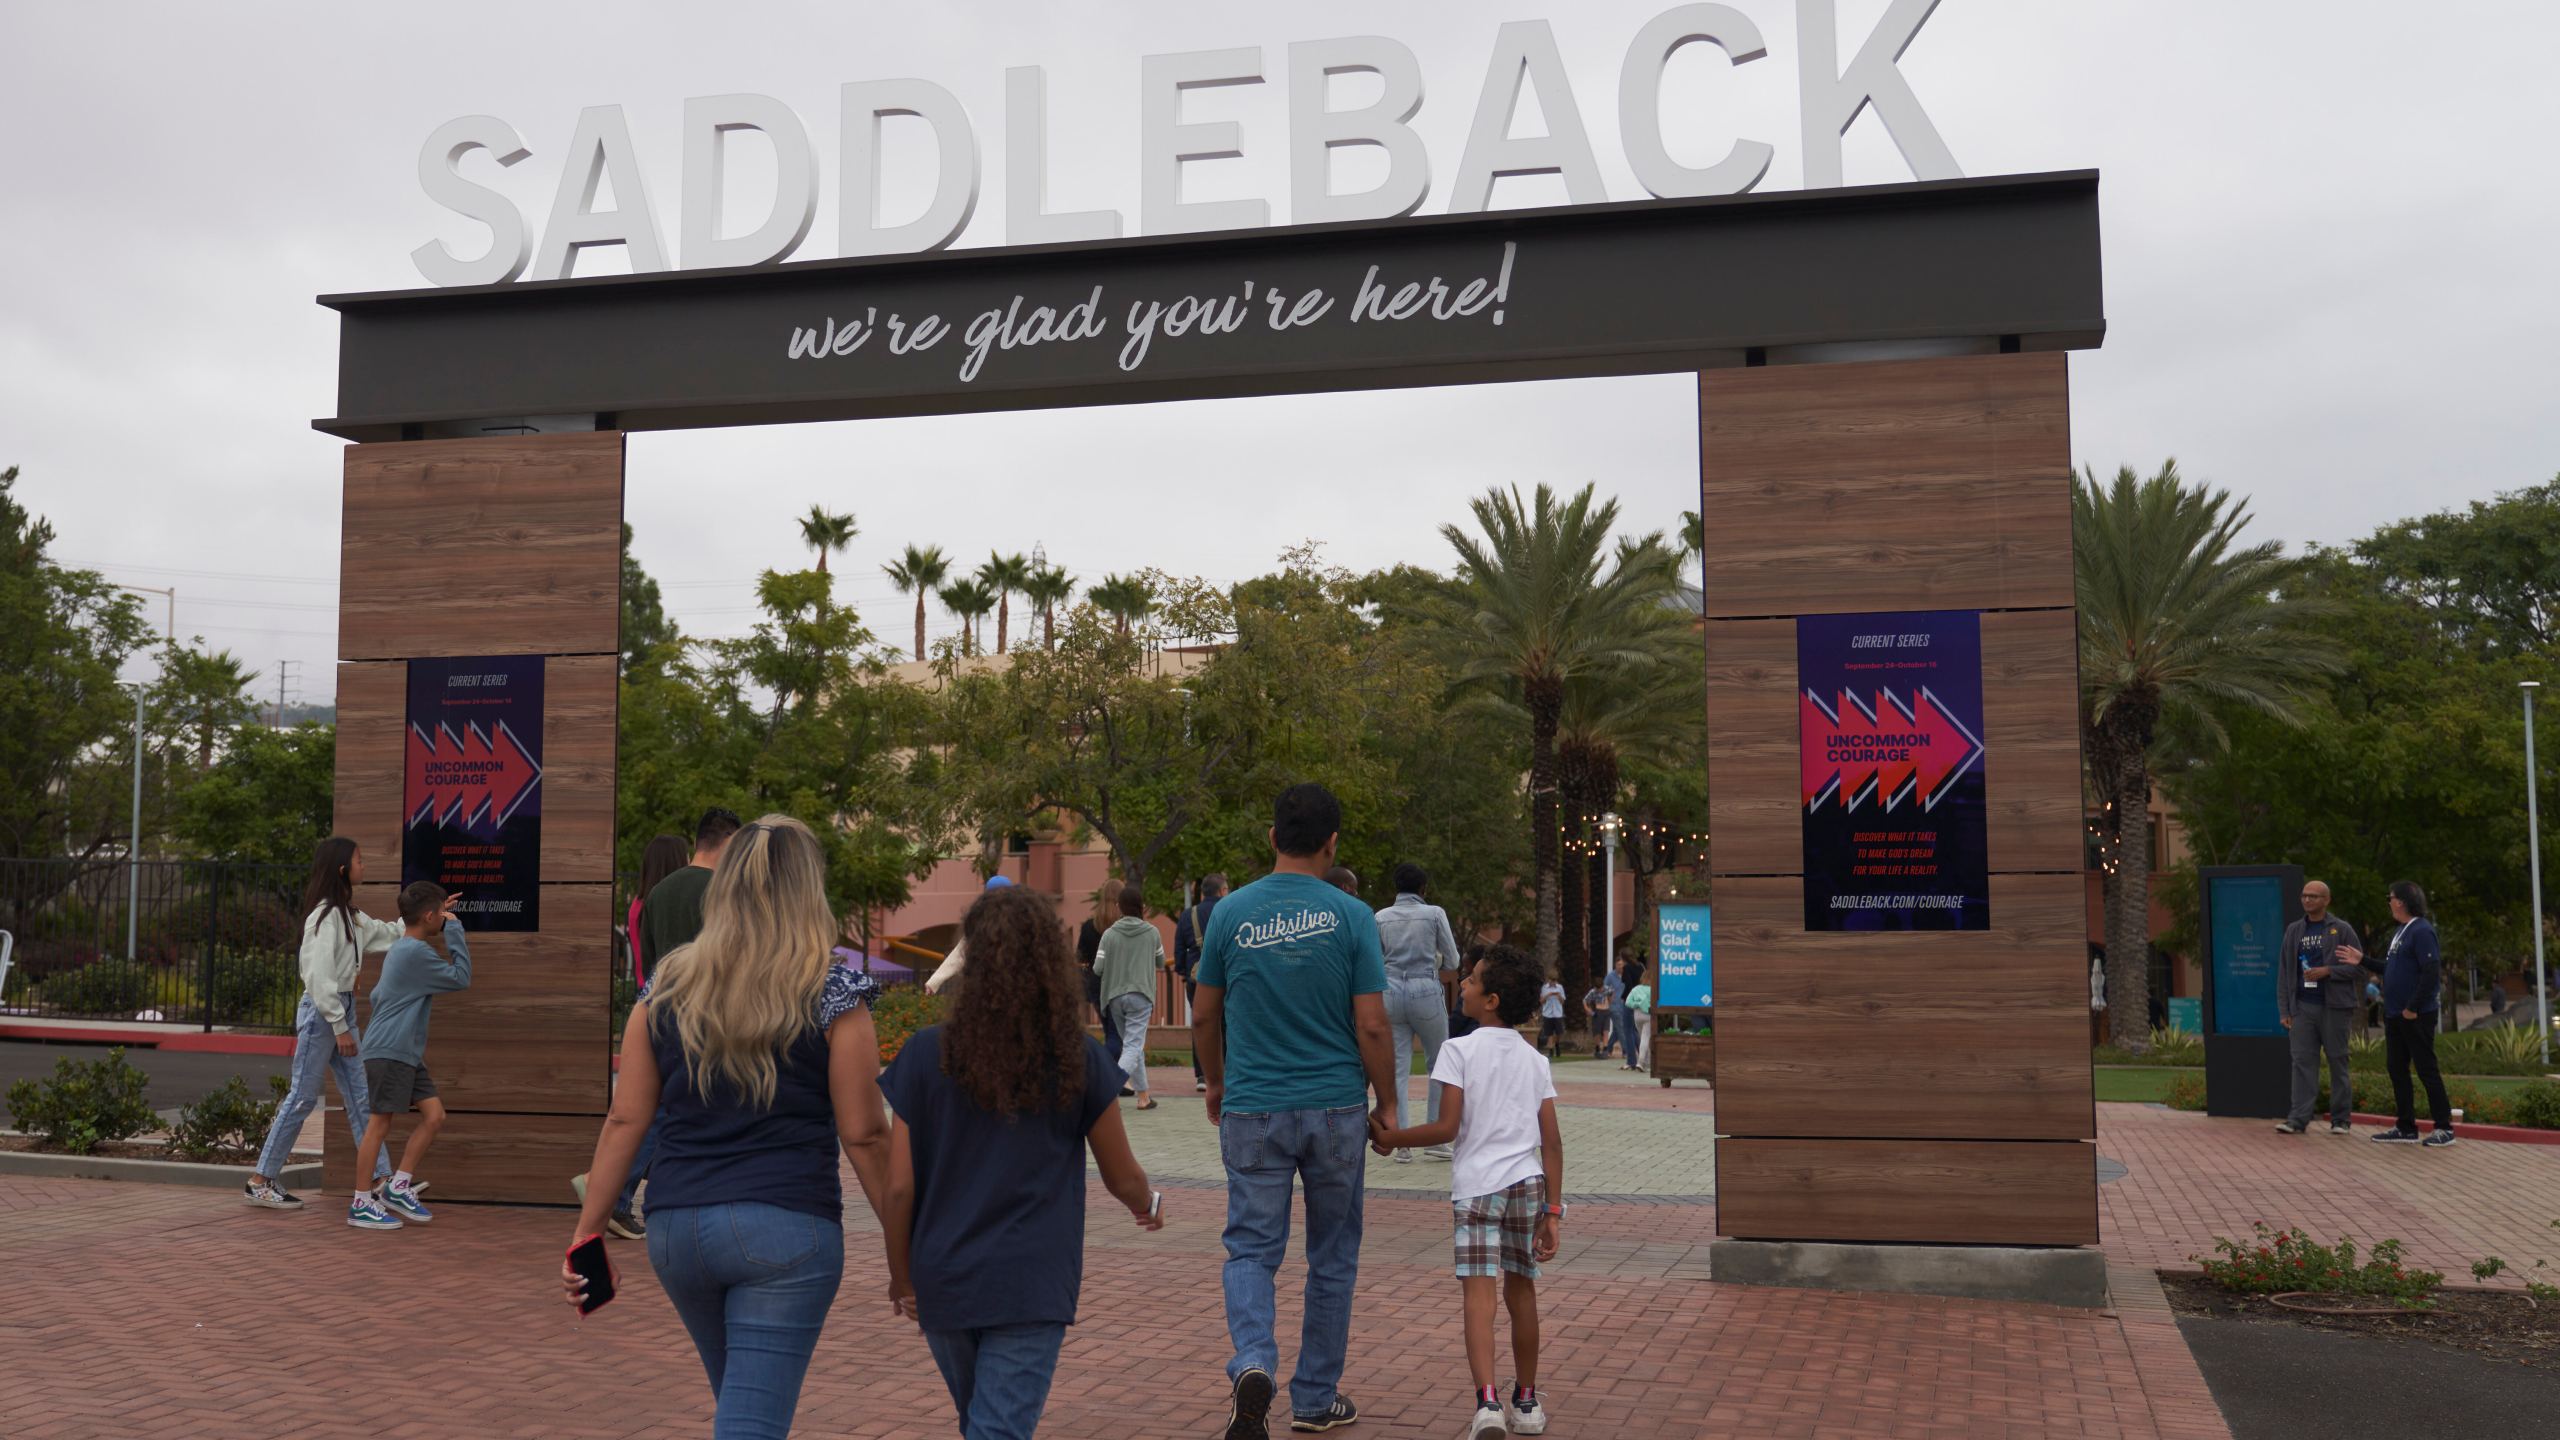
(2500, 1324)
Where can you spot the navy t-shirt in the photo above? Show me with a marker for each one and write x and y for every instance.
(999, 1206)
(714, 1149)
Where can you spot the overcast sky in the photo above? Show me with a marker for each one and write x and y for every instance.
(2328, 230)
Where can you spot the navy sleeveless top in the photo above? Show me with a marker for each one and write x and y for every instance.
(716, 1149)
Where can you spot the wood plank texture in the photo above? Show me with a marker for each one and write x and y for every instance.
(579, 710)
(372, 706)
(2030, 676)
(534, 1032)
(1890, 485)
(507, 1159)
(1960, 1192)
(1926, 1035)
(508, 545)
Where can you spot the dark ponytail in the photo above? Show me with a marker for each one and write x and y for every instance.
(329, 887)
(2411, 898)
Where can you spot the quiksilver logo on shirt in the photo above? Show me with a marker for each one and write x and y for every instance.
(1281, 929)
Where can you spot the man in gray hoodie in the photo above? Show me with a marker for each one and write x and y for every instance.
(1131, 953)
(2316, 997)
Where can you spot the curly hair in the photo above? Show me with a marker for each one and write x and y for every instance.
(1015, 1040)
(1513, 979)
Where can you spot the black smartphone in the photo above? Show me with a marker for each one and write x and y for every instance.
(588, 1260)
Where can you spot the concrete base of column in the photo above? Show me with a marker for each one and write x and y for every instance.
(1974, 1272)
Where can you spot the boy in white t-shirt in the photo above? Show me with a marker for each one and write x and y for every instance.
(1498, 1106)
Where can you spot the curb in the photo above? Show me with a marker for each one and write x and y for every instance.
(2504, 1134)
(213, 1042)
(36, 1165)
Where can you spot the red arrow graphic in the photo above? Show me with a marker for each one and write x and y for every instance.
(1852, 757)
(466, 778)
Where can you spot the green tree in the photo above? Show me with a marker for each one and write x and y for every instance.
(200, 700)
(970, 599)
(917, 573)
(266, 800)
(1004, 575)
(1649, 711)
(828, 532)
(63, 634)
(1127, 599)
(2180, 624)
(648, 636)
(1047, 588)
(1540, 600)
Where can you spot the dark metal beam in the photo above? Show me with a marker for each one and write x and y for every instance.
(1649, 286)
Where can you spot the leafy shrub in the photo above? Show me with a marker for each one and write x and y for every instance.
(250, 986)
(84, 1104)
(118, 987)
(901, 1011)
(2497, 1050)
(2536, 1105)
(2186, 1092)
(2176, 1047)
(2287, 1261)
(229, 1124)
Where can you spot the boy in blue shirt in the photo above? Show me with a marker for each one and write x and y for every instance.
(395, 1052)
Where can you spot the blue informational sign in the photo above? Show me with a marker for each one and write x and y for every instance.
(1685, 964)
(2186, 1014)
(2248, 923)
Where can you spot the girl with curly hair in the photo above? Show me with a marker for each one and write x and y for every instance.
(984, 1212)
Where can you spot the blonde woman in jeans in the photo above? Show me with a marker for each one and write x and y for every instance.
(755, 1051)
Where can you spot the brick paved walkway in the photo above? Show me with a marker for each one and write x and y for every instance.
(143, 1311)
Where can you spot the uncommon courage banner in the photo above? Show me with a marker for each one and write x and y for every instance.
(474, 789)
(1894, 806)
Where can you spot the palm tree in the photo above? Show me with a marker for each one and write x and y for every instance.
(1648, 711)
(1004, 574)
(2177, 620)
(970, 600)
(1048, 587)
(1125, 598)
(1539, 602)
(827, 532)
(916, 573)
(1693, 540)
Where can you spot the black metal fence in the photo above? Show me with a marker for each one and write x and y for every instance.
(211, 943)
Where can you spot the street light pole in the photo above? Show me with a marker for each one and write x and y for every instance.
(1609, 825)
(133, 841)
(2533, 858)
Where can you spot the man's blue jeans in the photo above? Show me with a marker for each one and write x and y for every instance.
(999, 1376)
(752, 1284)
(315, 1061)
(1327, 1152)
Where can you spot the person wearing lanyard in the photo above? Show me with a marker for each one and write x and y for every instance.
(2316, 996)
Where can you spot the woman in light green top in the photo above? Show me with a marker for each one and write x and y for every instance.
(1640, 1002)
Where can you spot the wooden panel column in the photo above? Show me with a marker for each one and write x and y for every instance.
(1902, 1087)
(497, 546)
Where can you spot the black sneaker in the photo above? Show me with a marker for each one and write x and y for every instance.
(2287, 1127)
(2440, 1137)
(2341, 1127)
(268, 1195)
(1342, 1412)
(627, 1225)
(1246, 1416)
(2395, 1136)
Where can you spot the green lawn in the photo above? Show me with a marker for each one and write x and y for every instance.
(2141, 1083)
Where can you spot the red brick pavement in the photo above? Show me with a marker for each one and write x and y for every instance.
(135, 1311)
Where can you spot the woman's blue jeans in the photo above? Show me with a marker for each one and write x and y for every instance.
(999, 1376)
(315, 1061)
(752, 1284)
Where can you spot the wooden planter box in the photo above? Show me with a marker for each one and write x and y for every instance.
(1684, 1057)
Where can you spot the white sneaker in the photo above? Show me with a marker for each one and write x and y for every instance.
(268, 1195)
(1439, 1152)
(1404, 1157)
(1525, 1419)
(1488, 1421)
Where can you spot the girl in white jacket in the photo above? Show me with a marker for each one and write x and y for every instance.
(336, 937)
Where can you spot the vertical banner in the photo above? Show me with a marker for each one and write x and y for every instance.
(2248, 921)
(1895, 810)
(1684, 963)
(473, 798)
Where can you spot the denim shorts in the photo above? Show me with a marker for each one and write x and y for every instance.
(1497, 1233)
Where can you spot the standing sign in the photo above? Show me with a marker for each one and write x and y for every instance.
(1685, 965)
(2248, 915)
(473, 799)
(1895, 807)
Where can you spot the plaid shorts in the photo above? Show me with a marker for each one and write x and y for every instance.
(1496, 1232)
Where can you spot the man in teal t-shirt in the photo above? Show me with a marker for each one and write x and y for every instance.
(1290, 1026)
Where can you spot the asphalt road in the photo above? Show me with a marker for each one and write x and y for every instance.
(2286, 1382)
(176, 1079)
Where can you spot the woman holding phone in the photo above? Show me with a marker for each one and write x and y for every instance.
(984, 1219)
(755, 1051)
